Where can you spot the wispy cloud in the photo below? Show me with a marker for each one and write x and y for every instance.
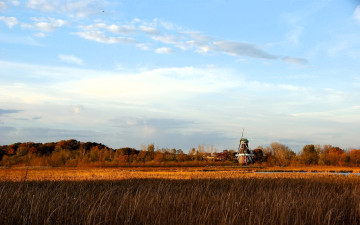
(241, 49)
(3, 5)
(9, 21)
(71, 59)
(101, 37)
(9, 111)
(356, 15)
(70, 7)
(114, 28)
(138, 31)
(44, 24)
(149, 30)
(167, 39)
(125, 29)
(143, 46)
(164, 50)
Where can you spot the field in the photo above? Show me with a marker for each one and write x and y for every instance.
(176, 196)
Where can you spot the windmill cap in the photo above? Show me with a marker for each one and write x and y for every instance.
(244, 140)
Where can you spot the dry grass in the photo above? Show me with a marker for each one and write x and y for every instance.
(176, 196)
(77, 174)
(157, 201)
(312, 168)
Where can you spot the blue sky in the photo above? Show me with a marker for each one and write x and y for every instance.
(180, 73)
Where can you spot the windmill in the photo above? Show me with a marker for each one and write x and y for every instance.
(244, 154)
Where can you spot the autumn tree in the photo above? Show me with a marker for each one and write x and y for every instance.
(279, 154)
(355, 157)
(309, 156)
(336, 156)
(181, 156)
(330, 155)
(150, 152)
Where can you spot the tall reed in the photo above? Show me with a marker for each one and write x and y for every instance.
(322, 200)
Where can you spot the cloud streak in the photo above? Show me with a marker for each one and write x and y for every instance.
(44, 24)
(174, 36)
(9, 111)
(164, 50)
(241, 49)
(72, 8)
(356, 14)
(71, 59)
(9, 21)
(102, 38)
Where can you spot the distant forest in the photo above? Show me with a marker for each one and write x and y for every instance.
(73, 153)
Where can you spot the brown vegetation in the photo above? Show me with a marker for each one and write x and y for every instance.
(174, 173)
(316, 200)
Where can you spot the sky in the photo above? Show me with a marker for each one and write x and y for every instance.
(180, 73)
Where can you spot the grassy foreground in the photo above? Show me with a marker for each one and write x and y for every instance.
(190, 196)
(159, 201)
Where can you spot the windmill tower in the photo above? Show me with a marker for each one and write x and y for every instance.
(244, 155)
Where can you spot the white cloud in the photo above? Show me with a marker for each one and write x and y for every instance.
(42, 5)
(3, 5)
(203, 49)
(186, 40)
(117, 29)
(70, 7)
(179, 38)
(356, 15)
(9, 21)
(164, 50)
(120, 29)
(149, 30)
(68, 85)
(198, 36)
(151, 87)
(101, 37)
(71, 59)
(176, 37)
(143, 46)
(44, 24)
(167, 39)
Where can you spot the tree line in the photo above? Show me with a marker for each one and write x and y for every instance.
(74, 153)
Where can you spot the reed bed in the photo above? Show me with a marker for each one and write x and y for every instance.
(316, 200)
(79, 174)
(175, 196)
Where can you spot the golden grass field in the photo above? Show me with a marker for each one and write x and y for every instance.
(194, 195)
(121, 173)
